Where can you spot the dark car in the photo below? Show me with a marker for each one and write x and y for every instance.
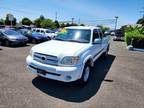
(10, 37)
(57, 30)
(119, 35)
(2, 26)
(33, 37)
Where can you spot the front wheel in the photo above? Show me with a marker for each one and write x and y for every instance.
(86, 75)
(7, 43)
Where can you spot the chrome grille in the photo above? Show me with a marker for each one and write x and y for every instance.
(46, 59)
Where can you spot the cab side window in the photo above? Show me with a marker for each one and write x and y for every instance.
(42, 31)
(95, 34)
(101, 34)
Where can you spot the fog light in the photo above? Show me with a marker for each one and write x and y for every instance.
(68, 77)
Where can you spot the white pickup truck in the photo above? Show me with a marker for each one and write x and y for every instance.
(70, 56)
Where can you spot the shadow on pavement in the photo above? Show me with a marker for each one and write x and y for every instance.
(71, 91)
(17, 46)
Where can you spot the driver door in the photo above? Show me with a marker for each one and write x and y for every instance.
(96, 47)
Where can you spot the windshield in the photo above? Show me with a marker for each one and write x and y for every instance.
(11, 32)
(75, 35)
(49, 31)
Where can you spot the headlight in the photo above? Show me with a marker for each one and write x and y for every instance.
(12, 38)
(31, 53)
(70, 60)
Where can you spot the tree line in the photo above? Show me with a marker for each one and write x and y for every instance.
(40, 22)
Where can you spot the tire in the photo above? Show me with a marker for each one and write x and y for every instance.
(7, 43)
(86, 75)
(25, 43)
(40, 77)
(49, 38)
(34, 41)
(105, 54)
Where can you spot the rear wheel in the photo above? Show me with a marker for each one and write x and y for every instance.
(105, 54)
(34, 41)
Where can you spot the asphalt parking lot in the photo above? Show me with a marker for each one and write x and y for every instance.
(117, 82)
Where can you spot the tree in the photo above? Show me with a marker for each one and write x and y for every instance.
(47, 23)
(57, 24)
(103, 28)
(67, 25)
(42, 17)
(62, 25)
(141, 21)
(26, 21)
(53, 26)
(74, 24)
(82, 25)
(8, 22)
(2, 21)
(38, 21)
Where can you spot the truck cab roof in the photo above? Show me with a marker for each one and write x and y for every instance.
(82, 27)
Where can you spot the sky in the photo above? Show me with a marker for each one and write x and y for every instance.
(84, 11)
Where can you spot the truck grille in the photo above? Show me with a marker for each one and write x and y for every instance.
(46, 59)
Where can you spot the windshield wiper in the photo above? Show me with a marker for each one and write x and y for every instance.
(75, 41)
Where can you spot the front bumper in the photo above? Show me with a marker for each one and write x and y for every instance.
(42, 40)
(64, 74)
(18, 42)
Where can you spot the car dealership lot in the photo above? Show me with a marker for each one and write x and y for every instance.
(117, 82)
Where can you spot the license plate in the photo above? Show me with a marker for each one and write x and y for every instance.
(43, 72)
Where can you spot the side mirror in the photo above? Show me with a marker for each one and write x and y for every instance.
(97, 41)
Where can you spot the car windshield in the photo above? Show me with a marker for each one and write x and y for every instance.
(11, 32)
(74, 35)
(49, 31)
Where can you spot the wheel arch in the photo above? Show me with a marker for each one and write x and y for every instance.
(89, 60)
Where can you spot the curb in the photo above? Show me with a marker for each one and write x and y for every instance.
(131, 48)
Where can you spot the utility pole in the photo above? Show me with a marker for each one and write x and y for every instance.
(116, 19)
(79, 21)
(72, 20)
(56, 16)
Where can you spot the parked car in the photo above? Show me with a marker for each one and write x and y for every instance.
(47, 32)
(119, 35)
(57, 30)
(70, 56)
(33, 37)
(11, 37)
(2, 26)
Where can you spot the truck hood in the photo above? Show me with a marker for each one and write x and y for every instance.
(59, 48)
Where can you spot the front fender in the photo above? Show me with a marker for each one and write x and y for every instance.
(89, 57)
